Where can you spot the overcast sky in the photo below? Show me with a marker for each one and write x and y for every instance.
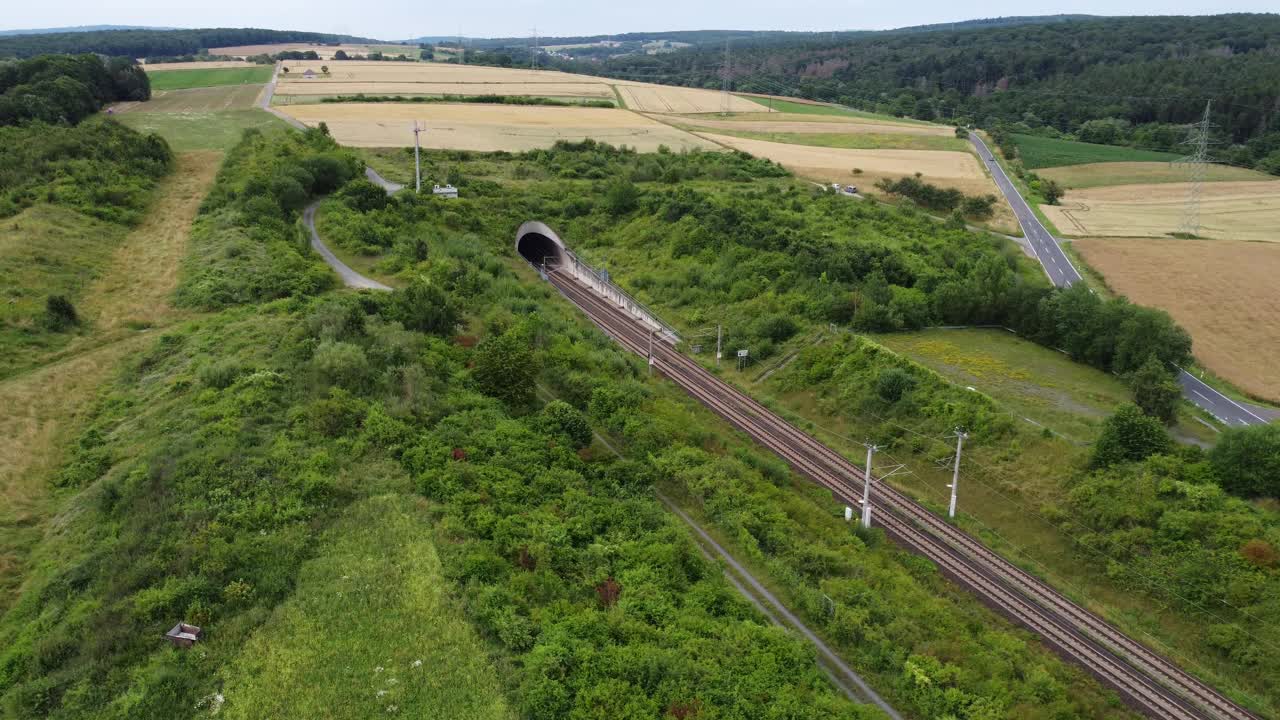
(398, 19)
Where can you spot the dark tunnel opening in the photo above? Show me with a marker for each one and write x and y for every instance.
(536, 247)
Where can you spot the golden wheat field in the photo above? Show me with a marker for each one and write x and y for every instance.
(416, 72)
(1093, 175)
(512, 128)
(954, 169)
(785, 123)
(1223, 292)
(670, 99)
(1228, 211)
(324, 51)
(212, 65)
(328, 87)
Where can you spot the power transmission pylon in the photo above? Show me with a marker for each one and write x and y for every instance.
(533, 54)
(417, 166)
(724, 85)
(1197, 163)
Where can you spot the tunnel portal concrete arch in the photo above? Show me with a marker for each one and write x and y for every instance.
(538, 244)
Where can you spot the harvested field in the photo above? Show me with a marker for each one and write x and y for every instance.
(327, 86)
(783, 123)
(1228, 211)
(324, 51)
(669, 99)
(213, 65)
(954, 169)
(410, 72)
(1092, 175)
(1223, 292)
(195, 100)
(490, 127)
(853, 139)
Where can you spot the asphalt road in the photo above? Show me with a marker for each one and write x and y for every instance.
(350, 277)
(1045, 246)
(1063, 274)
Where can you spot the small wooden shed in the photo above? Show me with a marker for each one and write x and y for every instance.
(183, 635)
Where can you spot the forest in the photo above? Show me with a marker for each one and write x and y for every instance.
(67, 88)
(1140, 80)
(145, 43)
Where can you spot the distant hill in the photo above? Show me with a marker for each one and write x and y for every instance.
(79, 29)
(153, 43)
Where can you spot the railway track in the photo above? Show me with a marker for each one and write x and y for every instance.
(1152, 684)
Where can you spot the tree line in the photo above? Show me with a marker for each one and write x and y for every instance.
(66, 88)
(146, 43)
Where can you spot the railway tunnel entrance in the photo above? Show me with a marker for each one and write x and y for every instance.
(538, 243)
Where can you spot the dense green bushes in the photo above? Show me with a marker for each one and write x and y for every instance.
(66, 88)
(932, 197)
(248, 245)
(100, 168)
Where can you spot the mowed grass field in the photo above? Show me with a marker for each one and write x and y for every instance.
(369, 632)
(201, 118)
(1091, 175)
(1228, 211)
(1031, 381)
(1223, 292)
(1039, 152)
(210, 77)
(468, 126)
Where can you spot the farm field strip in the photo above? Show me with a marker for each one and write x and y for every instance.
(1229, 211)
(197, 65)
(671, 99)
(225, 97)
(783, 123)
(324, 51)
(186, 79)
(1222, 292)
(328, 86)
(489, 127)
(852, 139)
(1092, 175)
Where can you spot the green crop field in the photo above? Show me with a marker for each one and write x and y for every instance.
(1040, 152)
(857, 140)
(804, 108)
(183, 79)
(201, 130)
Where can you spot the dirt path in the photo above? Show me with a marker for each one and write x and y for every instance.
(43, 408)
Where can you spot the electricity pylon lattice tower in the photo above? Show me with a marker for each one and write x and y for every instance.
(1197, 163)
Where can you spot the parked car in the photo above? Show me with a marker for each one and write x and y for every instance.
(851, 189)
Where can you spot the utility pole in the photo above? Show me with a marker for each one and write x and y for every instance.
(533, 53)
(866, 486)
(1197, 163)
(462, 54)
(961, 436)
(417, 165)
(718, 335)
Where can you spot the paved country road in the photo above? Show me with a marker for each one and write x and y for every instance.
(1063, 274)
(1045, 246)
(350, 277)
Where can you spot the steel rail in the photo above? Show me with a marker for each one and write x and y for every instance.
(1153, 683)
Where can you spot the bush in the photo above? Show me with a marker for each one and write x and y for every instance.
(1129, 435)
(1156, 391)
(892, 383)
(559, 417)
(59, 313)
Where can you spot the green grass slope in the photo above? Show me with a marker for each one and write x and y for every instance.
(368, 629)
(209, 77)
(1041, 152)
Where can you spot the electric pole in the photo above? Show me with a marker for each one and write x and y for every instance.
(866, 486)
(955, 475)
(651, 334)
(417, 165)
(1197, 163)
(533, 53)
(718, 334)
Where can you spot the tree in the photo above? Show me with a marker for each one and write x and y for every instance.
(1155, 390)
(892, 383)
(324, 69)
(564, 419)
(1051, 191)
(285, 70)
(962, 133)
(340, 55)
(506, 367)
(424, 307)
(1129, 435)
(621, 196)
(363, 195)
(1246, 460)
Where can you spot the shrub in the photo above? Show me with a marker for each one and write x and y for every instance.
(1246, 460)
(1129, 435)
(341, 363)
(59, 313)
(561, 418)
(892, 383)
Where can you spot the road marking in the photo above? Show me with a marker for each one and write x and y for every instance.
(1208, 387)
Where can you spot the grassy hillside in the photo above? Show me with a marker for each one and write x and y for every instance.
(184, 79)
